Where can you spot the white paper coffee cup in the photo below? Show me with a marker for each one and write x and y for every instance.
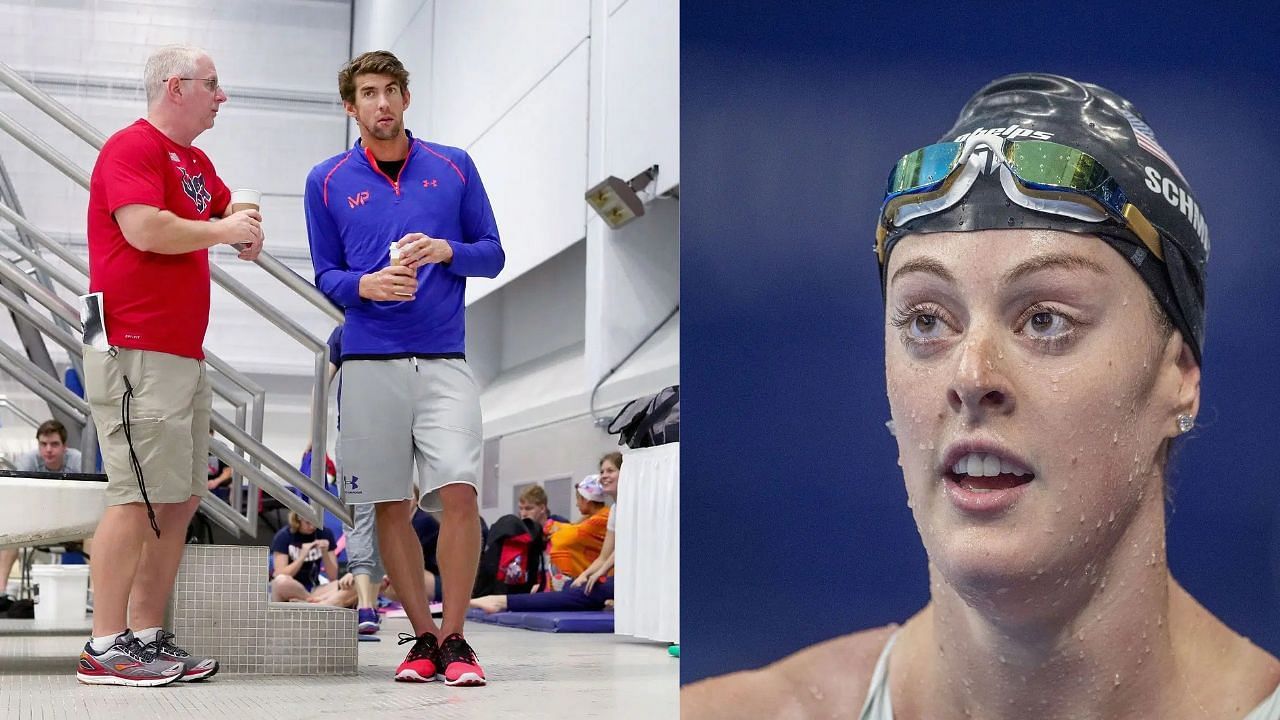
(245, 200)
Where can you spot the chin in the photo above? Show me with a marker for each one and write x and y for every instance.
(993, 555)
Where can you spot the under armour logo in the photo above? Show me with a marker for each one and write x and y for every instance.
(352, 483)
(430, 183)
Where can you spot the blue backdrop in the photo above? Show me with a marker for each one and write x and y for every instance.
(795, 526)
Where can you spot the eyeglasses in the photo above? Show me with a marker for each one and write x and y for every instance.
(211, 83)
(1036, 174)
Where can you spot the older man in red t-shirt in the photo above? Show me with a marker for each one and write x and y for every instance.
(150, 199)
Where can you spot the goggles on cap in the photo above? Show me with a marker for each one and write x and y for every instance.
(1036, 174)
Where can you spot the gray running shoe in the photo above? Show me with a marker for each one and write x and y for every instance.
(193, 668)
(126, 662)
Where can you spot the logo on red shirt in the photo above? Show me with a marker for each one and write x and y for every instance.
(195, 189)
(359, 199)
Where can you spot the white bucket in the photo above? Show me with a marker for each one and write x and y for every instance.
(62, 592)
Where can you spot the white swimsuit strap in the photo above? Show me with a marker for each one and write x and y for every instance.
(878, 706)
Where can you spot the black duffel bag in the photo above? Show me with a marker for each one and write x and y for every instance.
(650, 420)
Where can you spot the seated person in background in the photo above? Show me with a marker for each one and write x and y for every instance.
(427, 528)
(52, 455)
(219, 476)
(297, 552)
(572, 547)
(533, 505)
(331, 521)
(592, 589)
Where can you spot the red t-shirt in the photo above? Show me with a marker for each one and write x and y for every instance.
(151, 301)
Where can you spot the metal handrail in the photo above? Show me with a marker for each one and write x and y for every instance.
(38, 262)
(39, 382)
(50, 107)
(16, 410)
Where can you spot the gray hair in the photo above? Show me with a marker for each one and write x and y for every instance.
(166, 62)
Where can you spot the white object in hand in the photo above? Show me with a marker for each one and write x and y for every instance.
(395, 260)
(245, 199)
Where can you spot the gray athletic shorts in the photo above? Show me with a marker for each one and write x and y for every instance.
(395, 414)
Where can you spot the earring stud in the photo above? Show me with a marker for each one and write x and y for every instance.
(1185, 423)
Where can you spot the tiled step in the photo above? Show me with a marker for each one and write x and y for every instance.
(219, 608)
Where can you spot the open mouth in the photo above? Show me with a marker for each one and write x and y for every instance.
(987, 472)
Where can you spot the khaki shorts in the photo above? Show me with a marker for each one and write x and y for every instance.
(168, 423)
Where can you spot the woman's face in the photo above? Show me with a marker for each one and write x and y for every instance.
(609, 478)
(1031, 392)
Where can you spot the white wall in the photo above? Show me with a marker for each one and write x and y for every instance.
(642, 90)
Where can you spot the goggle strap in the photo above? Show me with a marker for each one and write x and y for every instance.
(1143, 228)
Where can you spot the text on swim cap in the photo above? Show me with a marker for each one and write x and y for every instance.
(1013, 132)
(1176, 196)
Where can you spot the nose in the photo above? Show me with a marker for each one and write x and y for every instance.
(220, 96)
(980, 388)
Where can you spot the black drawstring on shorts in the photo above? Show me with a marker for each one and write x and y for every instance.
(133, 456)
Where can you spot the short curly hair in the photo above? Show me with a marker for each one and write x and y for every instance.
(375, 62)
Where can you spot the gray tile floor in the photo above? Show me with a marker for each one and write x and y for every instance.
(532, 675)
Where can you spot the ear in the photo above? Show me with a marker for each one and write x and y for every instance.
(173, 86)
(1181, 360)
(407, 97)
(350, 108)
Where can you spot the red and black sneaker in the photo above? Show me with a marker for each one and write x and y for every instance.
(423, 661)
(460, 665)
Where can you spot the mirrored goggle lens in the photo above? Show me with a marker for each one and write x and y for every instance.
(1054, 165)
(925, 167)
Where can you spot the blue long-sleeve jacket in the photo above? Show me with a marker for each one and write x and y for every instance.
(354, 213)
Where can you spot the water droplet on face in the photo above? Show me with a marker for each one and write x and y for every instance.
(1112, 517)
(816, 692)
(1003, 661)
(1117, 680)
(1081, 518)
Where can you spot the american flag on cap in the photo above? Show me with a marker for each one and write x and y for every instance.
(1147, 140)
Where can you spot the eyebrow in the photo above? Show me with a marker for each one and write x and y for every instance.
(1062, 261)
(924, 265)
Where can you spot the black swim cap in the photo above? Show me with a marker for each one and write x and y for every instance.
(1098, 122)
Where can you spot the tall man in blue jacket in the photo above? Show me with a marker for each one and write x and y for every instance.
(396, 225)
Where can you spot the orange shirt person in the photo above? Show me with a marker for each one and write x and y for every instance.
(574, 546)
